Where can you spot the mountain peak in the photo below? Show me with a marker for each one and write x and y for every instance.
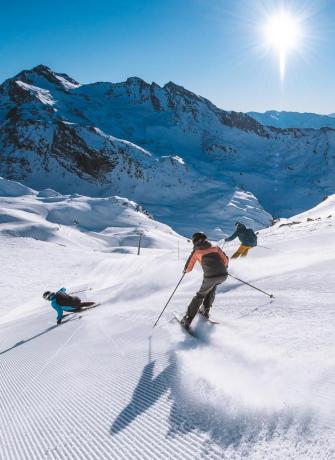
(41, 68)
(41, 74)
(173, 87)
(137, 81)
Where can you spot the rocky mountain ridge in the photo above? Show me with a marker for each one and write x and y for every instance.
(162, 146)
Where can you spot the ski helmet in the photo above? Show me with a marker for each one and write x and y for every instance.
(198, 236)
(47, 295)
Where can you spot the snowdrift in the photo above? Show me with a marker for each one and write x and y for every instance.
(95, 223)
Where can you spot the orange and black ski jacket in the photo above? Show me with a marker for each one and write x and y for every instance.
(213, 260)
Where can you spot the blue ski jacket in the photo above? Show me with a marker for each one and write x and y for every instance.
(246, 235)
(60, 308)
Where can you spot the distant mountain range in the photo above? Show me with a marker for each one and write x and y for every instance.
(185, 160)
(294, 119)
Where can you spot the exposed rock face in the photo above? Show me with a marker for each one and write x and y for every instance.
(154, 143)
(47, 116)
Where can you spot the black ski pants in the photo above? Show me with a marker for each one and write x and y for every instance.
(205, 296)
(81, 305)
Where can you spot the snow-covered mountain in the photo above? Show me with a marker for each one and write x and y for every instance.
(301, 120)
(170, 150)
(59, 134)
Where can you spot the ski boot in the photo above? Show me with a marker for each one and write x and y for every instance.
(86, 304)
(186, 323)
(203, 312)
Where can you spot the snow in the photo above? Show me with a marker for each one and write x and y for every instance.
(325, 209)
(12, 188)
(66, 83)
(260, 385)
(42, 95)
(80, 221)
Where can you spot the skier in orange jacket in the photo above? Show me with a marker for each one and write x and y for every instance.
(214, 263)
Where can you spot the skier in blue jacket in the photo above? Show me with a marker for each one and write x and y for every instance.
(61, 302)
(247, 237)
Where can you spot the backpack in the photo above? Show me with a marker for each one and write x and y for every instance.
(64, 299)
(252, 236)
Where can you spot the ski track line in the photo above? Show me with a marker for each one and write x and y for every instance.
(96, 396)
(142, 435)
(145, 397)
(37, 375)
(92, 404)
(24, 395)
(33, 432)
(16, 434)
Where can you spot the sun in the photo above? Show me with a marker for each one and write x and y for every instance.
(282, 33)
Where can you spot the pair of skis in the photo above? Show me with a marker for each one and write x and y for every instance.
(189, 330)
(76, 315)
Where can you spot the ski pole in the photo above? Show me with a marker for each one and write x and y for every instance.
(167, 303)
(265, 247)
(83, 290)
(254, 287)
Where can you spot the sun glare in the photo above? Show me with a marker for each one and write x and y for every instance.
(282, 33)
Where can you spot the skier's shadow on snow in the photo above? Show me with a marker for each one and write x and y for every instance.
(148, 390)
(146, 393)
(22, 342)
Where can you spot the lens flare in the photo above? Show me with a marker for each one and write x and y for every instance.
(282, 33)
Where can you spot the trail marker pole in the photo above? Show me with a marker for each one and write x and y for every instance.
(139, 245)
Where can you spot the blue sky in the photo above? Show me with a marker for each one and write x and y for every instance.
(212, 47)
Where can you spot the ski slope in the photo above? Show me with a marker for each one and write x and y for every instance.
(258, 386)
